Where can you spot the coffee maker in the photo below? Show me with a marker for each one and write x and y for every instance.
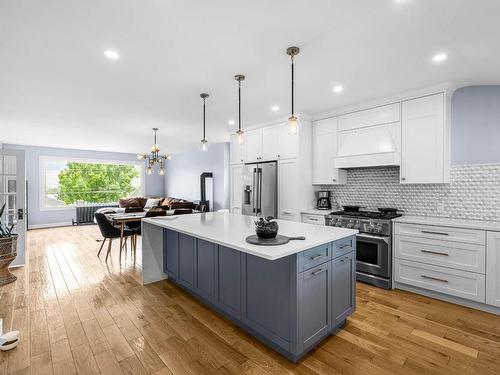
(323, 202)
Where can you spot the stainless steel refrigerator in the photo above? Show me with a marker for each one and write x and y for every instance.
(260, 189)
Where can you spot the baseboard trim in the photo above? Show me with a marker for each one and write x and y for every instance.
(50, 225)
(443, 297)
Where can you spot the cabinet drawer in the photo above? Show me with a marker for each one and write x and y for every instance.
(343, 246)
(442, 233)
(315, 256)
(457, 283)
(462, 256)
(313, 219)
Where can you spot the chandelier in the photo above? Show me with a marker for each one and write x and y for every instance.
(154, 157)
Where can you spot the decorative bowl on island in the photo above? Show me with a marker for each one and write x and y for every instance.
(266, 228)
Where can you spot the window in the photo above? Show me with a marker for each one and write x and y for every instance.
(65, 183)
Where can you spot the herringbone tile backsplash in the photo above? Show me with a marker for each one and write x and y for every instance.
(473, 192)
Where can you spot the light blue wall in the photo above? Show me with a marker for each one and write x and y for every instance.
(475, 125)
(183, 174)
(154, 184)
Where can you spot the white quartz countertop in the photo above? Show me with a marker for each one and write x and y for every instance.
(448, 222)
(230, 230)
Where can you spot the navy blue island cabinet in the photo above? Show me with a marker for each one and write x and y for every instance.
(290, 304)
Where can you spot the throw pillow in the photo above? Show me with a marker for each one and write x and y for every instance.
(152, 202)
(128, 202)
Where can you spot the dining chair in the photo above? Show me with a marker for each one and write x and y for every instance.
(109, 232)
(150, 213)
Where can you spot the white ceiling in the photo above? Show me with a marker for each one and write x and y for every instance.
(58, 89)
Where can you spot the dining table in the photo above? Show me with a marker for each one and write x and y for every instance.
(121, 219)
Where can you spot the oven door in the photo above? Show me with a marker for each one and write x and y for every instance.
(373, 255)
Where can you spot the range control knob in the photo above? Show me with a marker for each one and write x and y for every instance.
(370, 227)
(350, 224)
(338, 223)
(356, 225)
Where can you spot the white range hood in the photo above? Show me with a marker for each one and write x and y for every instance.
(369, 138)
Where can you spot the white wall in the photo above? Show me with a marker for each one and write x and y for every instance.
(183, 174)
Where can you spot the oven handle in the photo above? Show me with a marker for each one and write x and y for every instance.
(376, 238)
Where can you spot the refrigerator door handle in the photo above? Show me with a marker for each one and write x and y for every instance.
(259, 179)
(254, 175)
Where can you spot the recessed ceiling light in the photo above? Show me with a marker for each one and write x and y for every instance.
(231, 122)
(112, 55)
(440, 57)
(338, 89)
(275, 108)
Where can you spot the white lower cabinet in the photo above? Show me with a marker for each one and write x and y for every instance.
(288, 182)
(313, 219)
(236, 188)
(443, 259)
(467, 285)
(493, 269)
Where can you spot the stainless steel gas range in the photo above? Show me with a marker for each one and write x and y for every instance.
(374, 242)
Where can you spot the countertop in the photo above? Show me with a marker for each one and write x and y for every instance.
(449, 222)
(230, 230)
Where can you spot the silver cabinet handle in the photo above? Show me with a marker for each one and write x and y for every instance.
(313, 219)
(334, 180)
(318, 271)
(432, 232)
(434, 252)
(403, 179)
(317, 256)
(344, 246)
(433, 278)
(344, 259)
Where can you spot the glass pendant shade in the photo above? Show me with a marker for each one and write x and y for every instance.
(149, 170)
(293, 125)
(240, 137)
(161, 171)
(204, 145)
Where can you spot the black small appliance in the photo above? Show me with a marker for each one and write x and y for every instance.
(323, 202)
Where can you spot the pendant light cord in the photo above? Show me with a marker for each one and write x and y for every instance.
(293, 112)
(239, 105)
(203, 118)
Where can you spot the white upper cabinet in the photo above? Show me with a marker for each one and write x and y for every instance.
(493, 269)
(324, 151)
(270, 143)
(253, 145)
(288, 144)
(425, 140)
(385, 114)
(237, 151)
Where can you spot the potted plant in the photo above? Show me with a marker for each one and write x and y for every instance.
(8, 251)
(266, 227)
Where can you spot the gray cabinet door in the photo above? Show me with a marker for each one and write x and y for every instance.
(206, 254)
(187, 248)
(314, 305)
(170, 253)
(343, 287)
(229, 281)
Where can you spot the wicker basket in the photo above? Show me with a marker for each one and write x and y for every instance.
(8, 252)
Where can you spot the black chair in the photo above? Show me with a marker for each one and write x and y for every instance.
(150, 213)
(109, 232)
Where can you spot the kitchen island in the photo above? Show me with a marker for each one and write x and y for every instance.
(289, 296)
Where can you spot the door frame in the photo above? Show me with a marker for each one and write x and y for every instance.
(20, 203)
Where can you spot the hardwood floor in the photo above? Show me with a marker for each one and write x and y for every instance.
(78, 314)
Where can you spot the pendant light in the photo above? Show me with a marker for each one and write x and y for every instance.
(239, 132)
(204, 141)
(292, 120)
